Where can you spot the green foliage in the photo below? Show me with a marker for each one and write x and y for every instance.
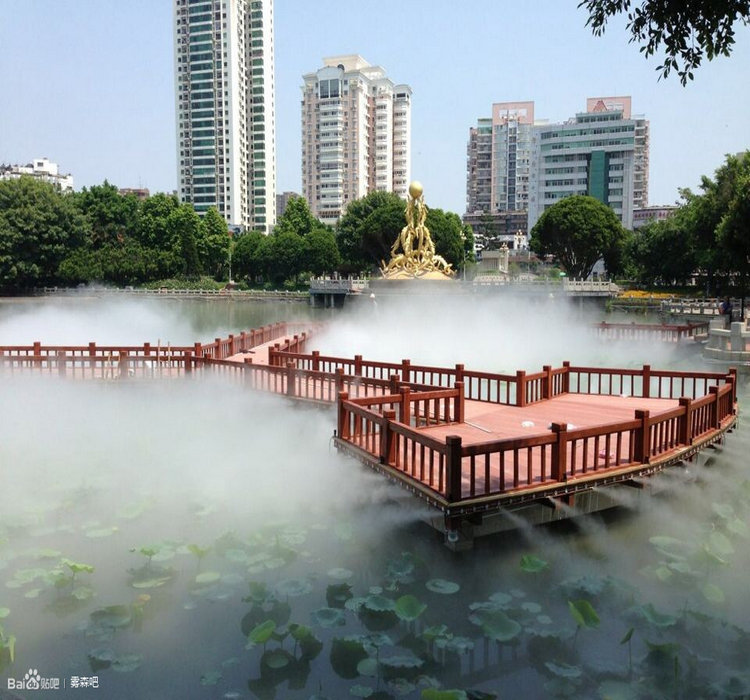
(38, 225)
(297, 218)
(183, 225)
(250, 255)
(733, 231)
(321, 255)
(687, 32)
(111, 216)
(578, 231)
(366, 232)
(214, 244)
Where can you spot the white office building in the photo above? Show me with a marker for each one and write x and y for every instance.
(40, 169)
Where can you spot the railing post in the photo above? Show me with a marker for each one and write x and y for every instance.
(61, 363)
(453, 471)
(243, 340)
(394, 380)
(197, 351)
(547, 382)
(187, 358)
(647, 382)
(343, 418)
(732, 379)
(147, 349)
(290, 379)
(459, 403)
(715, 418)
(92, 349)
(520, 388)
(358, 365)
(460, 373)
(566, 377)
(340, 380)
(232, 345)
(316, 360)
(642, 438)
(122, 365)
(218, 354)
(559, 469)
(37, 352)
(404, 411)
(685, 422)
(387, 439)
(405, 370)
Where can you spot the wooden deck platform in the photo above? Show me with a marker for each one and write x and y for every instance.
(470, 443)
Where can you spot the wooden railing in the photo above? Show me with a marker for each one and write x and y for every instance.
(458, 472)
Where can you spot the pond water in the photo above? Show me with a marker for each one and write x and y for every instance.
(187, 539)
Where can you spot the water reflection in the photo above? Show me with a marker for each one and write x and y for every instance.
(195, 541)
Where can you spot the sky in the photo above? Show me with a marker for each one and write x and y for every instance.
(89, 84)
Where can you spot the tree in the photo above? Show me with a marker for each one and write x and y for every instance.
(450, 237)
(287, 256)
(688, 30)
(151, 228)
(184, 229)
(248, 256)
(214, 243)
(734, 231)
(578, 231)
(38, 227)
(321, 255)
(297, 218)
(661, 252)
(366, 232)
(112, 216)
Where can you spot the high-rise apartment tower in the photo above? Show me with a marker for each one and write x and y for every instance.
(224, 92)
(356, 135)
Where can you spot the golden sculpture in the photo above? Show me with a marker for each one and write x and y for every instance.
(417, 257)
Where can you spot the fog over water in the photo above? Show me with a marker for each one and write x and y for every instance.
(200, 495)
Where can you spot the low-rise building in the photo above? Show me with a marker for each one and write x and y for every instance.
(41, 169)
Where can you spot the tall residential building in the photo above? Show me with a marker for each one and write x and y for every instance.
(499, 157)
(224, 91)
(356, 135)
(595, 153)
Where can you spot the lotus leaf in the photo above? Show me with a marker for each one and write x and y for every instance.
(261, 633)
(402, 662)
(712, 593)
(437, 694)
(723, 510)
(628, 636)
(275, 563)
(738, 527)
(400, 686)
(719, 544)
(368, 667)
(532, 608)
(127, 663)
(409, 608)
(82, 592)
(114, 616)
(583, 613)
(102, 657)
(198, 551)
(501, 599)
(532, 564)
(656, 618)
(431, 633)
(361, 691)
(354, 604)
(211, 678)
(379, 603)
(236, 555)
(439, 585)
(346, 653)
(498, 626)
(293, 587)
(32, 593)
(564, 670)
(341, 574)
(328, 617)
(618, 690)
(277, 659)
(337, 594)
(458, 645)
(4, 612)
(102, 532)
(670, 546)
(207, 577)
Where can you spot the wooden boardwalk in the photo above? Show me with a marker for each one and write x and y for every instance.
(468, 442)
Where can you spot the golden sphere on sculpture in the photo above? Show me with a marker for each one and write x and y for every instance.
(415, 189)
